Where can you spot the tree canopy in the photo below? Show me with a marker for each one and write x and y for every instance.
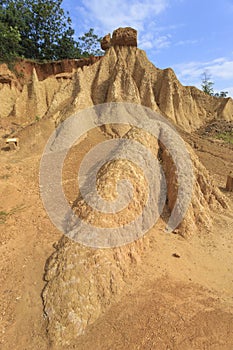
(207, 86)
(90, 43)
(42, 30)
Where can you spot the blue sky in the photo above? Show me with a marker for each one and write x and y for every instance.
(190, 36)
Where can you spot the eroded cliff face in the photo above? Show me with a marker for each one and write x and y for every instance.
(123, 74)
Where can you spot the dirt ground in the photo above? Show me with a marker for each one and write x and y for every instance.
(181, 296)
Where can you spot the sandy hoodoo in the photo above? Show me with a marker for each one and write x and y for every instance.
(59, 89)
(82, 282)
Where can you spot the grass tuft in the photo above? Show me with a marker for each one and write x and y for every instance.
(225, 136)
(4, 214)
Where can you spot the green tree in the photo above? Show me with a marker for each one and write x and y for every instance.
(10, 37)
(15, 17)
(221, 94)
(45, 29)
(49, 27)
(67, 47)
(50, 31)
(9, 42)
(207, 84)
(40, 29)
(89, 44)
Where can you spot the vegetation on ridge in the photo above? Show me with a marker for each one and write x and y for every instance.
(225, 136)
(207, 86)
(41, 30)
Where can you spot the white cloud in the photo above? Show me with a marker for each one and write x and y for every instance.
(146, 41)
(107, 15)
(111, 14)
(151, 40)
(219, 69)
(146, 45)
(186, 42)
(170, 27)
(162, 42)
(222, 69)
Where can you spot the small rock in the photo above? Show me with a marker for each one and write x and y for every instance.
(175, 255)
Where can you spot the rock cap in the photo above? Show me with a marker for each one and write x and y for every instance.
(120, 37)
